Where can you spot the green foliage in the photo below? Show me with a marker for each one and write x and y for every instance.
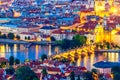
(28, 37)
(17, 61)
(116, 76)
(3, 64)
(77, 41)
(44, 72)
(52, 38)
(3, 36)
(78, 77)
(116, 72)
(11, 60)
(25, 73)
(108, 45)
(59, 42)
(18, 37)
(43, 57)
(10, 70)
(66, 44)
(72, 76)
(11, 36)
(115, 69)
(88, 75)
(94, 71)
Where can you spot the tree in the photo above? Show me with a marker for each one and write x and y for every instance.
(116, 72)
(79, 40)
(88, 75)
(72, 76)
(94, 71)
(116, 76)
(115, 69)
(78, 77)
(52, 38)
(11, 60)
(11, 36)
(3, 64)
(17, 61)
(0, 33)
(66, 44)
(25, 73)
(4, 36)
(43, 57)
(28, 37)
(10, 70)
(18, 37)
(44, 72)
(108, 45)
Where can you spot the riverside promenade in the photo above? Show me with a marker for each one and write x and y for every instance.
(10, 41)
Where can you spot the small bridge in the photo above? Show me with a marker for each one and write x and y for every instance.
(109, 50)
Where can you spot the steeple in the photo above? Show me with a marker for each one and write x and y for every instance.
(105, 22)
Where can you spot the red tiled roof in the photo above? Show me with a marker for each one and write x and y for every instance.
(74, 68)
(59, 31)
(3, 59)
(27, 33)
(111, 25)
(53, 69)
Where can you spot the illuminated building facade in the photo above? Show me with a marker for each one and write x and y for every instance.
(106, 7)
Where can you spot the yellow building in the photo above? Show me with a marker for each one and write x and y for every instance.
(104, 7)
(99, 33)
(102, 34)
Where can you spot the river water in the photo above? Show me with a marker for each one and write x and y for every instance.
(19, 51)
(35, 51)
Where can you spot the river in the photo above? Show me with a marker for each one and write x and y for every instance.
(35, 51)
(19, 51)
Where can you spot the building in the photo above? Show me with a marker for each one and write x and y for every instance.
(13, 29)
(27, 36)
(61, 34)
(46, 30)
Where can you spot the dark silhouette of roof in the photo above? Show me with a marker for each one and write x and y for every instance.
(47, 27)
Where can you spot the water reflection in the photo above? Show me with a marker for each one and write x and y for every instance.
(35, 51)
(49, 52)
(22, 53)
(88, 61)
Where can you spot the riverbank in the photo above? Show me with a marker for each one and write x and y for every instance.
(44, 43)
(10, 41)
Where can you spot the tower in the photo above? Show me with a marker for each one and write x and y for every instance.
(105, 22)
